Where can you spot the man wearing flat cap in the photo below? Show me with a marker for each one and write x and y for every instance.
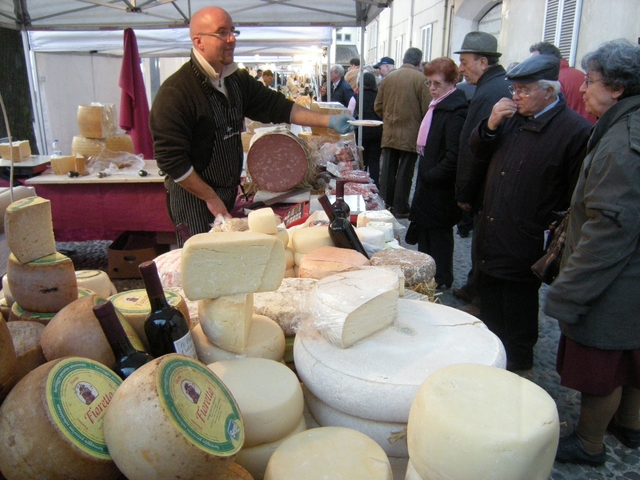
(535, 144)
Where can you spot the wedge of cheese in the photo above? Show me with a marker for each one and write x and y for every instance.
(21, 150)
(29, 229)
(350, 306)
(226, 321)
(263, 221)
(230, 263)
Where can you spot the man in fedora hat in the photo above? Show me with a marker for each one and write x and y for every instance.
(535, 145)
(479, 64)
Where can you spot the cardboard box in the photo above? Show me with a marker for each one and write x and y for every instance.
(129, 250)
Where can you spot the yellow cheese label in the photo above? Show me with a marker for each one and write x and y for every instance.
(79, 391)
(199, 405)
(52, 259)
(25, 202)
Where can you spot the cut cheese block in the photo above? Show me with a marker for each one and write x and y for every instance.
(26, 342)
(97, 120)
(86, 147)
(8, 361)
(120, 142)
(307, 239)
(371, 236)
(231, 263)
(503, 425)
(18, 313)
(378, 379)
(20, 150)
(375, 216)
(7, 291)
(75, 331)
(62, 164)
(329, 452)
(256, 458)
(263, 221)
(173, 418)
(392, 437)
(29, 229)
(417, 267)
(53, 420)
(348, 307)
(268, 395)
(168, 265)
(325, 261)
(384, 227)
(135, 308)
(96, 280)
(226, 321)
(288, 305)
(266, 340)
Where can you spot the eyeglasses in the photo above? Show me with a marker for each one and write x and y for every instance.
(588, 81)
(523, 92)
(433, 84)
(222, 34)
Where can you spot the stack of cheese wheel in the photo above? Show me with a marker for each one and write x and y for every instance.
(17, 313)
(266, 221)
(41, 279)
(502, 425)
(370, 385)
(173, 418)
(97, 126)
(222, 271)
(271, 401)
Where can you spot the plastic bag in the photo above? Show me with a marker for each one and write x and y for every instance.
(108, 162)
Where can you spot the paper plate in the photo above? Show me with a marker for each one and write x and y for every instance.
(365, 123)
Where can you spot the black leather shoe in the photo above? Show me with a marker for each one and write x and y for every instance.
(570, 450)
(627, 436)
(462, 294)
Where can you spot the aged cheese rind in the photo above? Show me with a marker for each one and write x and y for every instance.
(29, 229)
(226, 321)
(26, 342)
(417, 267)
(289, 305)
(325, 261)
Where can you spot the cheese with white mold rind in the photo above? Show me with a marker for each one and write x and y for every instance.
(289, 305)
(29, 229)
(230, 263)
(371, 236)
(226, 321)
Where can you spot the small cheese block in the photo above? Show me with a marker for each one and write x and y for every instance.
(21, 150)
(45, 285)
(168, 265)
(325, 261)
(96, 120)
(263, 220)
(75, 331)
(371, 236)
(120, 142)
(6, 290)
(29, 229)
(18, 313)
(97, 281)
(288, 305)
(62, 164)
(26, 342)
(503, 425)
(266, 340)
(53, 420)
(256, 458)
(289, 258)
(374, 216)
(226, 321)
(307, 239)
(8, 362)
(329, 452)
(350, 306)
(173, 418)
(231, 263)
(417, 267)
(268, 394)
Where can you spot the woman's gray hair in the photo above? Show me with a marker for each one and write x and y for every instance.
(618, 61)
(555, 84)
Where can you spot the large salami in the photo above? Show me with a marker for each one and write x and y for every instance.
(277, 161)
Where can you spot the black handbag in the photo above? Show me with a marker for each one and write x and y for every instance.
(547, 267)
(411, 237)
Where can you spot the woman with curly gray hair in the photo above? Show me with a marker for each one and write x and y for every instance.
(595, 296)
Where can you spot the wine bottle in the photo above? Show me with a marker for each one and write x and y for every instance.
(128, 359)
(166, 327)
(326, 206)
(340, 207)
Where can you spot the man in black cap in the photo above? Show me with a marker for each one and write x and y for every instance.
(535, 144)
(384, 66)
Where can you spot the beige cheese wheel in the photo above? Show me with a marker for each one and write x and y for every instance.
(96, 120)
(18, 313)
(329, 452)
(120, 142)
(268, 394)
(503, 425)
(29, 229)
(86, 147)
(53, 420)
(226, 321)
(256, 458)
(6, 290)
(307, 239)
(325, 261)
(75, 331)
(168, 265)
(8, 361)
(266, 340)
(173, 418)
(263, 220)
(26, 342)
(96, 280)
(46, 285)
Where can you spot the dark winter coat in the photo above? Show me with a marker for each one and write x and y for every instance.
(368, 113)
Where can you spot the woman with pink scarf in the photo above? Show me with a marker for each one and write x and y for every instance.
(434, 209)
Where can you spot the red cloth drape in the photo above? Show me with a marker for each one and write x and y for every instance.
(134, 107)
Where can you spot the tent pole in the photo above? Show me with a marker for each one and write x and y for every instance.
(361, 81)
(34, 88)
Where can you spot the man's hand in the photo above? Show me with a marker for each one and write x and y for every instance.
(340, 124)
(216, 206)
(505, 108)
(465, 206)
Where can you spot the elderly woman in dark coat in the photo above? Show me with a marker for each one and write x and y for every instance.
(596, 296)
(434, 208)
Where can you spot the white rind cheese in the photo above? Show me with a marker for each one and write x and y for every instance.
(226, 321)
(289, 305)
(29, 229)
(502, 425)
(417, 267)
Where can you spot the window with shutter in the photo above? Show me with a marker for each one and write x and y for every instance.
(561, 26)
(425, 43)
(399, 52)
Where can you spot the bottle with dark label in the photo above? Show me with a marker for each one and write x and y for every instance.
(166, 327)
(128, 359)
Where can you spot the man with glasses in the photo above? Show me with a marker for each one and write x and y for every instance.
(197, 118)
(535, 144)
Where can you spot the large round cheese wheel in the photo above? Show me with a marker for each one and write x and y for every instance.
(266, 340)
(417, 267)
(502, 425)
(26, 342)
(256, 458)
(392, 437)
(268, 394)
(53, 422)
(378, 377)
(288, 305)
(18, 313)
(8, 361)
(329, 452)
(173, 418)
(96, 280)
